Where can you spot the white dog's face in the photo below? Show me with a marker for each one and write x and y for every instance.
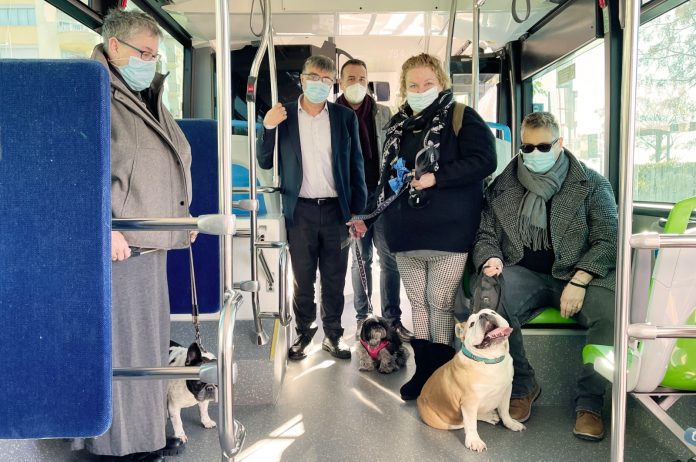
(485, 334)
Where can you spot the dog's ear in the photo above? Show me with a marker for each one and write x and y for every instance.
(193, 355)
(460, 330)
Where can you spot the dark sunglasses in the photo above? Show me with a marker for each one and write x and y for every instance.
(543, 147)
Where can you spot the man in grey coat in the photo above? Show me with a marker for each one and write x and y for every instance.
(549, 225)
(150, 177)
(372, 120)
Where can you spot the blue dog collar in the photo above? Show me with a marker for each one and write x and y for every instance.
(481, 359)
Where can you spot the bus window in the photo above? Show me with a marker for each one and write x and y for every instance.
(573, 90)
(39, 30)
(665, 150)
(172, 62)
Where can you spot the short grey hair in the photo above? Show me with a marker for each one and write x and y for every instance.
(320, 62)
(541, 120)
(124, 24)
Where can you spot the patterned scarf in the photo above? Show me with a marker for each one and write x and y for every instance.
(540, 188)
(432, 119)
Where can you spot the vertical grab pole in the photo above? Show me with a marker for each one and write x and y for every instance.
(230, 433)
(274, 92)
(623, 267)
(475, 53)
(450, 36)
(261, 336)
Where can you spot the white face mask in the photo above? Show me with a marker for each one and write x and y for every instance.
(355, 94)
(420, 101)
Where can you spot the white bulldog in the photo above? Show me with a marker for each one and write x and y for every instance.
(185, 393)
(476, 384)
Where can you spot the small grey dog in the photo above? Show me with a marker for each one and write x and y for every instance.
(380, 347)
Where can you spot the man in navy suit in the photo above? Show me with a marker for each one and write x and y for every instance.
(321, 168)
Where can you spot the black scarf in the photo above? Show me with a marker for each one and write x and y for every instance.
(432, 119)
(366, 124)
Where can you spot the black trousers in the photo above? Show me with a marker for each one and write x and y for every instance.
(315, 239)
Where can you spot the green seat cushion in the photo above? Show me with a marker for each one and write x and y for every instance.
(681, 372)
(551, 316)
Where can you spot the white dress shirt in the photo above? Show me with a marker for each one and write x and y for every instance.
(315, 142)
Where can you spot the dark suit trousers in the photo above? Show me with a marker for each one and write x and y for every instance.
(315, 238)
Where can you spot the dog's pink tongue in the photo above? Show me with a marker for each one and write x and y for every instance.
(500, 332)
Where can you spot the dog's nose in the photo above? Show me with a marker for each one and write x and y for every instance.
(210, 388)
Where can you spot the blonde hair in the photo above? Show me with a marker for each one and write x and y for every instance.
(424, 60)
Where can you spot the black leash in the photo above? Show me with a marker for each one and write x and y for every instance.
(194, 299)
(356, 247)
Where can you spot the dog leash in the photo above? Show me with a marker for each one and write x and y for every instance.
(356, 247)
(194, 300)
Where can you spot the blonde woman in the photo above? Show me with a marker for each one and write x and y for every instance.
(431, 228)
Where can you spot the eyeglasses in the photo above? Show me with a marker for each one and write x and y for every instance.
(144, 55)
(317, 78)
(527, 148)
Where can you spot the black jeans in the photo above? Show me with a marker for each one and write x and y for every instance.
(315, 239)
(524, 292)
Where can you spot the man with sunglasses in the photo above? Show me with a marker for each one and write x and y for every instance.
(321, 168)
(549, 226)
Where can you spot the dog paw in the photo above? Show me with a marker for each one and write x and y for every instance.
(387, 369)
(514, 425)
(475, 444)
(209, 424)
(366, 367)
(182, 437)
(490, 417)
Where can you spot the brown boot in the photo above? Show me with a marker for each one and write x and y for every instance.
(521, 408)
(588, 426)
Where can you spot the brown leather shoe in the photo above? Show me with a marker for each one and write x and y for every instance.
(588, 426)
(521, 408)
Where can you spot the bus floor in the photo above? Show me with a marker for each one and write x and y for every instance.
(329, 411)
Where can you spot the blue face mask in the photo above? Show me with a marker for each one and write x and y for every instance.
(419, 101)
(539, 162)
(138, 73)
(317, 92)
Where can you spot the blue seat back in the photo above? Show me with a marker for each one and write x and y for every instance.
(55, 258)
(202, 136)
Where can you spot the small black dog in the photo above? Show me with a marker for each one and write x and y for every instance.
(185, 393)
(380, 347)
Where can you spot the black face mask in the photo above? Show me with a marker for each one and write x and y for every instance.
(426, 162)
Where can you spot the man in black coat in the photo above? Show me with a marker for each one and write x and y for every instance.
(323, 180)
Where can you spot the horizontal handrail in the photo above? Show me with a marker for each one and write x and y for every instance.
(261, 189)
(663, 241)
(270, 244)
(217, 224)
(648, 331)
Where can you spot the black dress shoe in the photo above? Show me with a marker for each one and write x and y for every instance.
(404, 334)
(298, 349)
(174, 447)
(336, 347)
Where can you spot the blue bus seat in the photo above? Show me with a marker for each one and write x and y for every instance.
(240, 179)
(202, 136)
(55, 257)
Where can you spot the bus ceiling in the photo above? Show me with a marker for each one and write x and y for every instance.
(355, 24)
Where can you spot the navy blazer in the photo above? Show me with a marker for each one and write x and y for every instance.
(347, 161)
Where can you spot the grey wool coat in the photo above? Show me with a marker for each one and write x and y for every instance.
(150, 162)
(583, 224)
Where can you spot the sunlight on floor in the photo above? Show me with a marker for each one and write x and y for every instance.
(381, 387)
(271, 449)
(366, 401)
(322, 365)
